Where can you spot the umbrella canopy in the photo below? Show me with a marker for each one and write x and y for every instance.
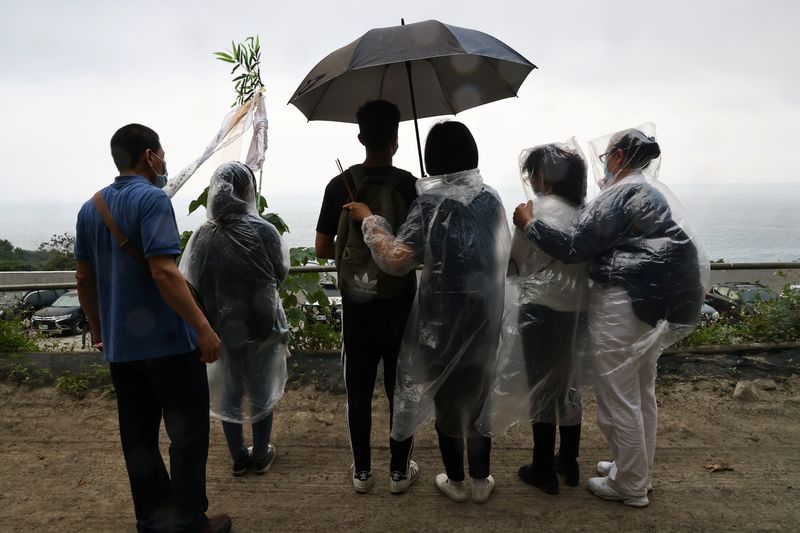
(452, 68)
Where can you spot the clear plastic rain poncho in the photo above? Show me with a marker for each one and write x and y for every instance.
(648, 270)
(457, 230)
(236, 261)
(540, 365)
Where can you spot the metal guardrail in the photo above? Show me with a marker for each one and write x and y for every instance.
(331, 268)
(755, 266)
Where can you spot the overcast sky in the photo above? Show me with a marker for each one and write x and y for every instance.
(720, 79)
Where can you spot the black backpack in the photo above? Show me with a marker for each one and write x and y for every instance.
(358, 275)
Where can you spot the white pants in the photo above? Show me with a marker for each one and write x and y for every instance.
(625, 352)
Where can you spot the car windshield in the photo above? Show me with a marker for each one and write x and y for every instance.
(67, 300)
(756, 295)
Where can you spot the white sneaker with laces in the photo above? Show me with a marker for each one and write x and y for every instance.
(482, 489)
(399, 482)
(604, 468)
(599, 487)
(455, 490)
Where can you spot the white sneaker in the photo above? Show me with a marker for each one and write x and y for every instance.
(362, 481)
(482, 489)
(604, 468)
(599, 487)
(455, 490)
(399, 482)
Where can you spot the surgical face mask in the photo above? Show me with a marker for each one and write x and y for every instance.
(161, 179)
(608, 176)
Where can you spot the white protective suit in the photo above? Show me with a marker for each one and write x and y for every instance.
(236, 261)
(540, 370)
(457, 230)
(648, 273)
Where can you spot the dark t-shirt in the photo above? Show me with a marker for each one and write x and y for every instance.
(336, 196)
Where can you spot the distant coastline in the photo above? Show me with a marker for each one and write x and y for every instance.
(737, 223)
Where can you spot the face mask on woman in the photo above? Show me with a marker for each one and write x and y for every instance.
(608, 177)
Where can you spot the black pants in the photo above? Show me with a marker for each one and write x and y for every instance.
(479, 448)
(175, 387)
(548, 342)
(372, 333)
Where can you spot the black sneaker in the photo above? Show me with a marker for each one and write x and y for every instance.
(543, 479)
(242, 465)
(260, 466)
(569, 469)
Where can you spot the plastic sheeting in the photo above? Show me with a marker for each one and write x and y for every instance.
(236, 261)
(541, 366)
(637, 239)
(457, 230)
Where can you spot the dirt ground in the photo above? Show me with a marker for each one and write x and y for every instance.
(61, 469)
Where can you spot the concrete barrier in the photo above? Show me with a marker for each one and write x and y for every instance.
(774, 278)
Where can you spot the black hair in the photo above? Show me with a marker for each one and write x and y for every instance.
(130, 142)
(377, 123)
(563, 170)
(639, 148)
(450, 147)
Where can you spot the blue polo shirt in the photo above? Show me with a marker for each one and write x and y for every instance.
(135, 320)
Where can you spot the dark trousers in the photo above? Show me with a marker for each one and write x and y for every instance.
(372, 332)
(479, 449)
(548, 343)
(175, 388)
(234, 436)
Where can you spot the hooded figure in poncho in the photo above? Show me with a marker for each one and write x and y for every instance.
(237, 261)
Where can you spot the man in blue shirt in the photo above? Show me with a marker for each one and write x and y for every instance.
(153, 334)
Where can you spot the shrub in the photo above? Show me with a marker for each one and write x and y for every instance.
(772, 321)
(14, 337)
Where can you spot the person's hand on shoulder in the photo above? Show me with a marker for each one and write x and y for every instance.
(523, 214)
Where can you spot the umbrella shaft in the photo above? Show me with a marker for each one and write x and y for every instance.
(414, 111)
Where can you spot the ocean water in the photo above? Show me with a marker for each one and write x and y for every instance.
(737, 223)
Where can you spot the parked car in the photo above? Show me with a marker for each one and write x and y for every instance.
(64, 316)
(31, 302)
(314, 311)
(733, 297)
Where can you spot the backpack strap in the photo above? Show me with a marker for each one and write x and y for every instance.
(360, 177)
(124, 242)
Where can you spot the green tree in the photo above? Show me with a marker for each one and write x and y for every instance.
(59, 251)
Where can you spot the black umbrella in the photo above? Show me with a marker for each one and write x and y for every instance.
(449, 69)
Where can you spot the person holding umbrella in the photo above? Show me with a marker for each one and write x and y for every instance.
(457, 230)
(649, 273)
(375, 305)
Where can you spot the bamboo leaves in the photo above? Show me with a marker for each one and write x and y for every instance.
(245, 57)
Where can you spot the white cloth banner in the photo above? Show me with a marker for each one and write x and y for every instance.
(251, 114)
